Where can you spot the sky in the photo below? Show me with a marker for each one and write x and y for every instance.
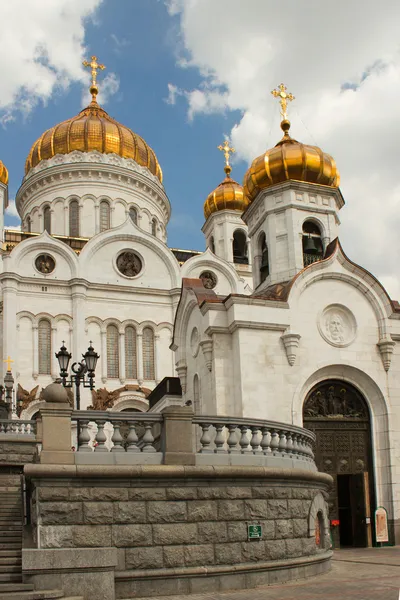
(187, 74)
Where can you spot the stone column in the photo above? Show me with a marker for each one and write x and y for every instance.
(54, 349)
(139, 351)
(9, 320)
(112, 216)
(103, 355)
(96, 218)
(78, 295)
(35, 362)
(56, 427)
(122, 367)
(66, 221)
(177, 436)
(157, 357)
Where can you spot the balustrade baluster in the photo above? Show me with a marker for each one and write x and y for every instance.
(101, 437)
(282, 443)
(84, 437)
(148, 438)
(265, 441)
(219, 440)
(289, 443)
(232, 440)
(2, 428)
(295, 447)
(132, 439)
(255, 440)
(117, 438)
(205, 439)
(274, 441)
(300, 446)
(244, 440)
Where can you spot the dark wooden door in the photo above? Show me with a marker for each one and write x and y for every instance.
(358, 510)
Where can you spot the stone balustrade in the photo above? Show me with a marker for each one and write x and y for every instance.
(17, 427)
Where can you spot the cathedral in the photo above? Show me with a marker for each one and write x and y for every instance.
(272, 320)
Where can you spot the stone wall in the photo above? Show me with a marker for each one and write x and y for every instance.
(17, 452)
(192, 520)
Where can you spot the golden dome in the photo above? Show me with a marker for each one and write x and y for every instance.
(228, 195)
(93, 129)
(290, 159)
(3, 174)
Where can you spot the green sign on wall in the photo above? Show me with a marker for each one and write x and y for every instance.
(254, 532)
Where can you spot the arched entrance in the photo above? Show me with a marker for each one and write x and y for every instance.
(338, 414)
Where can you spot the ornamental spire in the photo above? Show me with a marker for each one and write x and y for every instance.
(284, 97)
(227, 150)
(94, 66)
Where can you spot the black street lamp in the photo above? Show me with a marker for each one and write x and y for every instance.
(86, 366)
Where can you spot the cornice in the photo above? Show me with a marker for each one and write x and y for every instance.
(69, 170)
(241, 324)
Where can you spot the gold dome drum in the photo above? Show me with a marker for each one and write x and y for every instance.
(228, 195)
(93, 129)
(3, 174)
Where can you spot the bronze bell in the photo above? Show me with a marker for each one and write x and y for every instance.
(310, 246)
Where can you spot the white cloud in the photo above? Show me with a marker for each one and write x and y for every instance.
(11, 209)
(342, 65)
(42, 47)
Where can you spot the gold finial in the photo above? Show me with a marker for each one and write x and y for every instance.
(94, 66)
(227, 150)
(8, 361)
(284, 97)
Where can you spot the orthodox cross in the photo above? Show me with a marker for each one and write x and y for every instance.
(8, 361)
(94, 66)
(284, 97)
(227, 150)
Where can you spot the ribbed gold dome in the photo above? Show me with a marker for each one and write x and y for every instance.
(228, 195)
(93, 129)
(290, 159)
(3, 174)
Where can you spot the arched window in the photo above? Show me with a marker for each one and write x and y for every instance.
(130, 353)
(47, 219)
(148, 354)
(196, 395)
(112, 352)
(154, 227)
(212, 244)
(264, 263)
(104, 215)
(312, 243)
(133, 214)
(28, 224)
(44, 348)
(74, 218)
(240, 248)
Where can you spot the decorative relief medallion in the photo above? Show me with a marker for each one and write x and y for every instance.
(45, 264)
(194, 341)
(209, 279)
(337, 325)
(129, 264)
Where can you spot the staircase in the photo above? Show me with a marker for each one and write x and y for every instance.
(11, 524)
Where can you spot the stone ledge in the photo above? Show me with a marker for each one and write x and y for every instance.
(64, 559)
(173, 471)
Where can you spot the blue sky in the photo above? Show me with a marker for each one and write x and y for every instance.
(138, 40)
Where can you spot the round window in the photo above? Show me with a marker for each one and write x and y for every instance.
(209, 279)
(45, 263)
(129, 264)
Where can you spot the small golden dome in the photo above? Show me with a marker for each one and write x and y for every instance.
(3, 174)
(228, 195)
(93, 129)
(290, 159)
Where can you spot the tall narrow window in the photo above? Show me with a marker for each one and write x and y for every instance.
(133, 214)
(104, 215)
(148, 354)
(74, 218)
(240, 247)
(112, 352)
(264, 265)
(154, 227)
(130, 353)
(44, 331)
(212, 244)
(47, 219)
(28, 224)
(196, 395)
(312, 243)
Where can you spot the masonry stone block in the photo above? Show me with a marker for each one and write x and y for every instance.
(309, 546)
(181, 493)
(56, 536)
(90, 536)
(173, 556)
(199, 555)
(61, 513)
(294, 548)
(277, 509)
(110, 494)
(256, 509)
(268, 529)
(212, 532)
(98, 513)
(146, 493)
(231, 510)
(228, 554)
(263, 492)
(303, 493)
(48, 494)
(166, 512)
(129, 512)
(276, 549)
(237, 531)
(283, 528)
(253, 551)
(202, 510)
(298, 508)
(144, 558)
(175, 533)
(80, 494)
(131, 535)
(300, 528)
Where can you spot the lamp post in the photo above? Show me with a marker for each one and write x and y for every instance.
(82, 372)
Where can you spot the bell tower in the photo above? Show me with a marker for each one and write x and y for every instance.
(294, 201)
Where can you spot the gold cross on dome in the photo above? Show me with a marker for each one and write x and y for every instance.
(95, 66)
(227, 150)
(284, 97)
(8, 361)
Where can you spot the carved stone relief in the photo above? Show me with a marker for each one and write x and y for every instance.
(129, 264)
(209, 279)
(337, 325)
(45, 264)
